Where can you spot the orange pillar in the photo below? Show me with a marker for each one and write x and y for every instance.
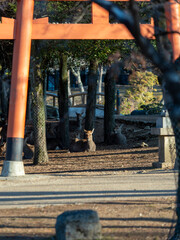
(13, 165)
(172, 10)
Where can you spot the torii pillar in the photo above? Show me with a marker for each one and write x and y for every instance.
(13, 165)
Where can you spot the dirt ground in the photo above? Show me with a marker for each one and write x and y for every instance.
(151, 219)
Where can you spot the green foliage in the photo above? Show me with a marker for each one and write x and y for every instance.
(64, 12)
(152, 108)
(12, 9)
(144, 10)
(141, 92)
(7, 9)
(98, 49)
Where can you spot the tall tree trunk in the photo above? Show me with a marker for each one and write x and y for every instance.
(29, 102)
(99, 87)
(176, 128)
(63, 131)
(91, 97)
(69, 88)
(44, 88)
(4, 94)
(39, 124)
(77, 75)
(109, 107)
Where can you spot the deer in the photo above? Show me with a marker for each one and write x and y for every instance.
(83, 145)
(117, 137)
(28, 152)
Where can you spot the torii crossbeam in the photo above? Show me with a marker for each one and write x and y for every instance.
(24, 29)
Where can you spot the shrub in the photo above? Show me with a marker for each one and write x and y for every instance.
(140, 93)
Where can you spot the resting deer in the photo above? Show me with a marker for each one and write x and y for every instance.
(28, 152)
(83, 145)
(117, 137)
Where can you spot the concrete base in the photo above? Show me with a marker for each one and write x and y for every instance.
(162, 165)
(12, 169)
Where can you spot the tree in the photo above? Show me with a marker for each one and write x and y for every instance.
(91, 98)
(109, 107)
(169, 75)
(63, 102)
(38, 105)
(96, 52)
(140, 93)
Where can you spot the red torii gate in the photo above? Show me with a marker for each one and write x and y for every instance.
(25, 28)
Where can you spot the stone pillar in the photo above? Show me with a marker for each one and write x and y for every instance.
(167, 148)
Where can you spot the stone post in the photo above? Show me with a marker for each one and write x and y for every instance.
(166, 140)
(78, 225)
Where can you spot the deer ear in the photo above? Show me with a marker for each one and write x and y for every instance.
(85, 131)
(92, 130)
(122, 125)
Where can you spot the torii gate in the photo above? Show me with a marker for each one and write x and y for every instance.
(25, 28)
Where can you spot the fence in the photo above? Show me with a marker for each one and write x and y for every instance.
(78, 99)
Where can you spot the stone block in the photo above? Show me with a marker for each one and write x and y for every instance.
(162, 131)
(163, 122)
(78, 225)
(167, 149)
(166, 140)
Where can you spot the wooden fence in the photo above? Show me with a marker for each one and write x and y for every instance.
(79, 99)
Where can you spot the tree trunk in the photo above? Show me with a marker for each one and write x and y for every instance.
(99, 87)
(29, 103)
(91, 97)
(44, 89)
(177, 139)
(38, 108)
(69, 88)
(63, 130)
(109, 107)
(78, 78)
(4, 94)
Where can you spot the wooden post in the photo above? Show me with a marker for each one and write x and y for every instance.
(13, 165)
